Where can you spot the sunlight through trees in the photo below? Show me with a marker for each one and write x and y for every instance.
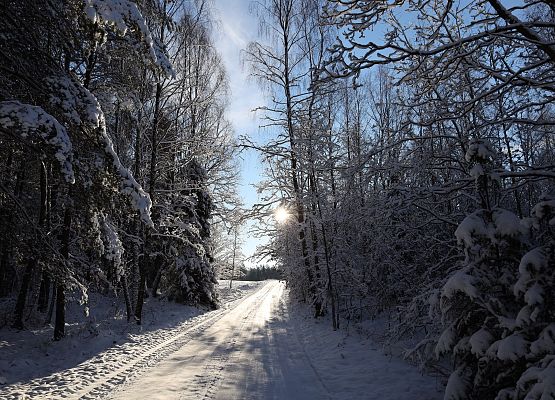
(281, 215)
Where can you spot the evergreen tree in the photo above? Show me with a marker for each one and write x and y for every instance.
(476, 301)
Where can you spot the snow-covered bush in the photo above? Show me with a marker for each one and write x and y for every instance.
(477, 302)
(534, 325)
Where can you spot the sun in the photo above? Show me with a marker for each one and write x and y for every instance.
(281, 215)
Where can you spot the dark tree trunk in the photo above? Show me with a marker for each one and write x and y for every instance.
(59, 325)
(6, 278)
(156, 282)
(145, 263)
(44, 292)
(140, 295)
(23, 292)
(125, 289)
(299, 208)
(31, 263)
(51, 306)
(39, 288)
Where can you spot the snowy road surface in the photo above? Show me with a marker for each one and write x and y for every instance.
(247, 354)
(252, 348)
(255, 352)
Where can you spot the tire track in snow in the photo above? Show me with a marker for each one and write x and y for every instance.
(100, 375)
(213, 371)
(250, 353)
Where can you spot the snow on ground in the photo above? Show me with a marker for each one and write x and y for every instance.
(34, 366)
(257, 346)
(353, 366)
(265, 349)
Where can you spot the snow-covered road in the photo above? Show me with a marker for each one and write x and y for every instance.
(247, 354)
(253, 348)
(257, 352)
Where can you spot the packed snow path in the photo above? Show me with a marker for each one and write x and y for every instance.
(253, 348)
(255, 352)
(247, 354)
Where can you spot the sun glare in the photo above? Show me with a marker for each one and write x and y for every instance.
(281, 215)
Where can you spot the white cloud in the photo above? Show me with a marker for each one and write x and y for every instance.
(236, 37)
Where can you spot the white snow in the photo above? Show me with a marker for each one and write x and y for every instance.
(264, 349)
(512, 348)
(524, 316)
(534, 295)
(472, 227)
(479, 149)
(504, 224)
(256, 347)
(113, 250)
(93, 353)
(124, 15)
(539, 381)
(480, 342)
(460, 281)
(533, 261)
(456, 388)
(78, 103)
(545, 209)
(28, 120)
(446, 341)
(545, 344)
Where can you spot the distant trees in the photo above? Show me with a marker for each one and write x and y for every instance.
(262, 273)
(421, 154)
(114, 149)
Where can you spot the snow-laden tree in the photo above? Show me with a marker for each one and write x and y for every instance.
(184, 239)
(94, 107)
(534, 326)
(477, 303)
(445, 136)
(187, 130)
(47, 67)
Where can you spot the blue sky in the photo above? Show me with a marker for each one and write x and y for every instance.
(237, 26)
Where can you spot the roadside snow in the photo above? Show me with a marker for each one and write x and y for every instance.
(34, 366)
(266, 349)
(352, 366)
(257, 346)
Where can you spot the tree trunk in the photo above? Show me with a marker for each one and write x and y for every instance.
(294, 169)
(44, 279)
(125, 289)
(44, 292)
(51, 306)
(23, 292)
(156, 281)
(331, 293)
(59, 325)
(140, 295)
(31, 263)
(6, 281)
(233, 259)
(145, 262)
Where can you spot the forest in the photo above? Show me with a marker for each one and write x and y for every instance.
(115, 149)
(411, 162)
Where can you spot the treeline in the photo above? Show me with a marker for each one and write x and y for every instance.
(261, 273)
(417, 161)
(114, 150)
